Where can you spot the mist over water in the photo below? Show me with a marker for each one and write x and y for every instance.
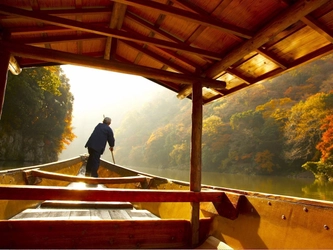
(98, 93)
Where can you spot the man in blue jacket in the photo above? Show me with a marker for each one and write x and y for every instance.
(96, 145)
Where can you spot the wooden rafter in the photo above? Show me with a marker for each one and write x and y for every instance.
(66, 12)
(190, 16)
(317, 26)
(272, 58)
(288, 17)
(152, 33)
(58, 39)
(58, 21)
(117, 19)
(80, 28)
(188, 89)
(157, 57)
(151, 27)
(155, 29)
(68, 58)
(190, 5)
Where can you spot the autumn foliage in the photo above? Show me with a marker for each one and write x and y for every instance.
(37, 114)
(271, 128)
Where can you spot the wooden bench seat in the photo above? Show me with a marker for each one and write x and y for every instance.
(84, 214)
(86, 204)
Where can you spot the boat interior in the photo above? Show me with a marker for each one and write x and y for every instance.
(55, 206)
(87, 212)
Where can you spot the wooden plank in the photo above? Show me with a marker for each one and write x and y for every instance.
(90, 180)
(141, 214)
(84, 204)
(87, 61)
(117, 214)
(290, 16)
(189, 16)
(100, 214)
(107, 32)
(42, 214)
(95, 234)
(116, 22)
(19, 192)
(82, 214)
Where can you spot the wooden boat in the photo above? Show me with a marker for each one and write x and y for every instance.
(202, 50)
(53, 206)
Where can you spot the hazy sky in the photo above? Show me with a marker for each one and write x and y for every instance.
(97, 93)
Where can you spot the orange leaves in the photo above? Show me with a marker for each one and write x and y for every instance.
(325, 146)
(264, 160)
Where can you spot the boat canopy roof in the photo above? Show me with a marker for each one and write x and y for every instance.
(227, 45)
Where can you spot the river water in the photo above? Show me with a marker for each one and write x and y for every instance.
(298, 187)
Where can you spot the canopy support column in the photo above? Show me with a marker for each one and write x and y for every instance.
(195, 174)
(4, 62)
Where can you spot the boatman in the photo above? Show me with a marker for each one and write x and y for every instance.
(96, 145)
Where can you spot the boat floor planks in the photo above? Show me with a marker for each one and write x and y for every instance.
(84, 214)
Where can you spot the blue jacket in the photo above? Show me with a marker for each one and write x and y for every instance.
(101, 134)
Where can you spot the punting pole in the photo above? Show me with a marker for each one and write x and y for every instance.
(195, 173)
(4, 62)
(113, 157)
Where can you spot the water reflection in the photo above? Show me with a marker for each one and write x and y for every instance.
(320, 190)
(304, 187)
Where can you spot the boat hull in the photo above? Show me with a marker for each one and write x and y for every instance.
(9, 208)
(238, 218)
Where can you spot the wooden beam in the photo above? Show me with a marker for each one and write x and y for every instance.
(167, 35)
(185, 92)
(108, 32)
(290, 16)
(57, 39)
(237, 74)
(19, 192)
(158, 58)
(117, 19)
(189, 16)
(4, 63)
(196, 138)
(68, 58)
(192, 6)
(317, 26)
(196, 144)
(152, 27)
(90, 180)
(69, 12)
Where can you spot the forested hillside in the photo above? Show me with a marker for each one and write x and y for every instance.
(36, 120)
(270, 128)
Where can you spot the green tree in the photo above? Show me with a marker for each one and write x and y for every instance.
(216, 138)
(38, 104)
